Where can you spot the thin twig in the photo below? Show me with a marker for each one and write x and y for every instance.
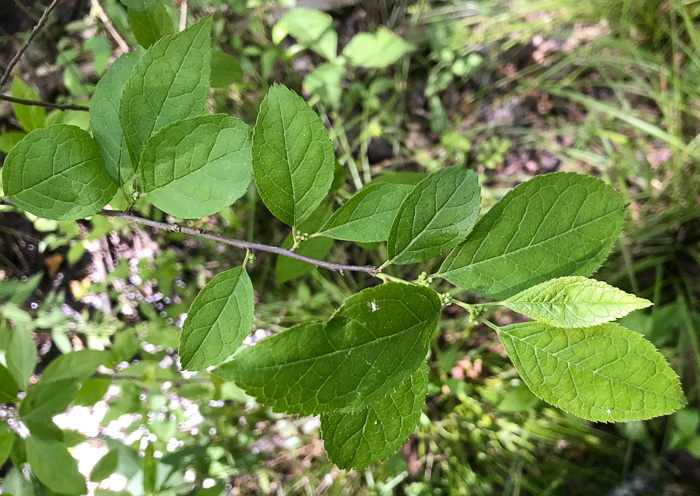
(123, 45)
(39, 103)
(24, 46)
(236, 242)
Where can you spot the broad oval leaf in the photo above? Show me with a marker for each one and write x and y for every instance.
(220, 318)
(224, 70)
(20, 356)
(197, 166)
(435, 217)
(8, 387)
(368, 215)
(140, 5)
(151, 25)
(553, 225)
(104, 118)
(374, 342)
(76, 365)
(56, 172)
(168, 84)
(376, 50)
(105, 466)
(293, 162)
(29, 116)
(575, 302)
(54, 466)
(604, 373)
(356, 440)
(313, 29)
(47, 399)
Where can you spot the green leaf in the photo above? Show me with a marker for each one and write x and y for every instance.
(20, 356)
(16, 483)
(374, 342)
(105, 466)
(604, 373)
(197, 166)
(411, 178)
(312, 29)
(219, 320)
(168, 84)
(574, 302)
(293, 162)
(356, 440)
(8, 386)
(47, 399)
(435, 217)
(92, 391)
(29, 116)
(368, 215)
(56, 172)
(553, 225)
(9, 140)
(6, 441)
(104, 118)
(77, 365)
(149, 26)
(54, 466)
(140, 5)
(376, 51)
(325, 82)
(225, 71)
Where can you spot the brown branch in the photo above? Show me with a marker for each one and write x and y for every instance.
(24, 46)
(236, 242)
(38, 103)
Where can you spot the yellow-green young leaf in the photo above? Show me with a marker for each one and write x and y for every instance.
(435, 217)
(31, 117)
(54, 466)
(197, 166)
(554, 225)
(374, 342)
(56, 172)
(313, 29)
(367, 216)
(293, 162)
(105, 466)
(377, 50)
(356, 440)
(604, 373)
(575, 302)
(151, 25)
(104, 118)
(220, 318)
(168, 84)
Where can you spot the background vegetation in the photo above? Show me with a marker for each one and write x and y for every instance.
(510, 89)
